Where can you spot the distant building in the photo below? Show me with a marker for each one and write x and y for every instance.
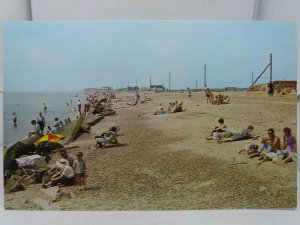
(287, 84)
(157, 88)
(230, 88)
(136, 88)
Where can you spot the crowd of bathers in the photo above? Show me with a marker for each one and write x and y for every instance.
(173, 107)
(215, 100)
(271, 147)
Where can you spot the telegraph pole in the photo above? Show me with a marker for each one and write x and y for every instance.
(205, 75)
(150, 81)
(270, 68)
(169, 81)
(196, 84)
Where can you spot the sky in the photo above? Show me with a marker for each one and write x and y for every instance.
(66, 56)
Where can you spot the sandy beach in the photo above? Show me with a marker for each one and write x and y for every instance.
(165, 162)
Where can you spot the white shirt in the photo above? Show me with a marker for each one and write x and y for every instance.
(68, 172)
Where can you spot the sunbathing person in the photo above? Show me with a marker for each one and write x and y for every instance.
(107, 137)
(270, 143)
(289, 142)
(160, 111)
(216, 132)
(170, 107)
(246, 134)
(66, 177)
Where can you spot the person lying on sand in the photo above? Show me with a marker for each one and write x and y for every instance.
(246, 134)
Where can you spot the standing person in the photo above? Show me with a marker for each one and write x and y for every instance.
(211, 97)
(189, 93)
(45, 108)
(79, 169)
(41, 121)
(207, 94)
(278, 88)
(79, 106)
(86, 106)
(15, 119)
(270, 90)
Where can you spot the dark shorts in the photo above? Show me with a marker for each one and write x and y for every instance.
(65, 181)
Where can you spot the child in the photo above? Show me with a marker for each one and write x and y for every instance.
(79, 169)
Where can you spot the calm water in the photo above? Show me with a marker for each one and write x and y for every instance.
(27, 106)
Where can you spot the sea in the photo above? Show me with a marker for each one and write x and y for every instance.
(28, 105)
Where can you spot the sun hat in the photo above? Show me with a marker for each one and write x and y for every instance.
(62, 163)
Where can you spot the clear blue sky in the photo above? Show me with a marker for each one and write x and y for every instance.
(53, 56)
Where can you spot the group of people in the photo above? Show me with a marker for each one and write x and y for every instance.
(67, 171)
(173, 108)
(215, 100)
(86, 107)
(271, 144)
(275, 150)
(40, 123)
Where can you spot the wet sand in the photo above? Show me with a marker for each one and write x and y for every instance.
(165, 162)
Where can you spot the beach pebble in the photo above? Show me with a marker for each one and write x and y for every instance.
(263, 189)
(24, 200)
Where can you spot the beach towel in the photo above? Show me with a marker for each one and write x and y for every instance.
(30, 160)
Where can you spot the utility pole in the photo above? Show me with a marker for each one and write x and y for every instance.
(252, 77)
(205, 75)
(270, 68)
(169, 81)
(136, 82)
(196, 84)
(150, 81)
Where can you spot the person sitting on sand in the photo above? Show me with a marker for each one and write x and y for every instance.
(216, 132)
(246, 134)
(226, 99)
(56, 126)
(289, 142)
(66, 177)
(160, 111)
(36, 131)
(220, 99)
(170, 107)
(270, 143)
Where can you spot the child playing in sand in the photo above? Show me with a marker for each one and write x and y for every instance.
(80, 169)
